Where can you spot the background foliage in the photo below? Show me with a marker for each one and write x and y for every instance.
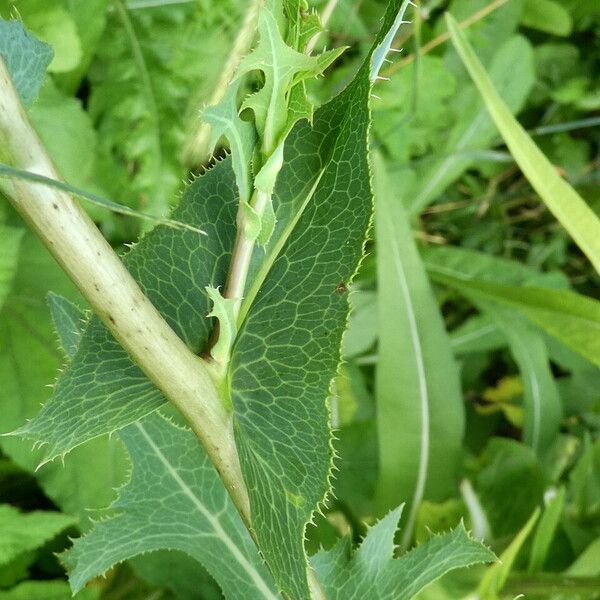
(454, 329)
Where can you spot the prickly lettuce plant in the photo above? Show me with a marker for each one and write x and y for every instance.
(239, 328)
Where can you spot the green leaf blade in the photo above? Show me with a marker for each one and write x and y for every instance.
(102, 390)
(26, 58)
(174, 500)
(10, 242)
(27, 531)
(372, 571)
(417, 381)
(293, 318)
(560, 198)
(69, 322)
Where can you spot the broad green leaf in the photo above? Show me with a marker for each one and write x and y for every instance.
(547, 16)
(27, 531)
(373, 572)
(29, 360)
(562, 200)
(174, 500)
(544, 533)
(68, 321)
(543, 409)
(418, 387)
(102, 390)
(26, 58)
(495, 578)
(10, 242)
(512, 72)
(47, 590)
(292, 320)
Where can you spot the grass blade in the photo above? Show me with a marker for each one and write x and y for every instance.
(561, 199)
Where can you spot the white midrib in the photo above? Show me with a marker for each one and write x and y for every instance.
(220, 533)
(534, 386)
(423, 392)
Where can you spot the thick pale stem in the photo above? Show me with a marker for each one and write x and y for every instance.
(94, 267)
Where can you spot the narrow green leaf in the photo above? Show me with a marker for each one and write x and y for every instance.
(372, 571)
(562, 200)
(174, 500)
(512, 71)
(8, 171)
(26, 58)
(477, 334)
(418, 387)
(587, 563)
(68, 321)
(544, 533)
(571, 318)
(543, 409)
(27, 531)
(10, 242)
(495, 578)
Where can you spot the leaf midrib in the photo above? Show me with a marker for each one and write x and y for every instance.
(220, 533)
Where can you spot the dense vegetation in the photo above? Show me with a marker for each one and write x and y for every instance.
(469, 386)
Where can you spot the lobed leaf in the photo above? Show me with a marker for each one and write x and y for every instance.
(373, 572)
(174, 500)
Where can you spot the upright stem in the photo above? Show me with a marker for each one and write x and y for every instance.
(242, 255)
(94, 267)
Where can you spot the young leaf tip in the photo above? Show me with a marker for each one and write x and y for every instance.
(381, 51)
